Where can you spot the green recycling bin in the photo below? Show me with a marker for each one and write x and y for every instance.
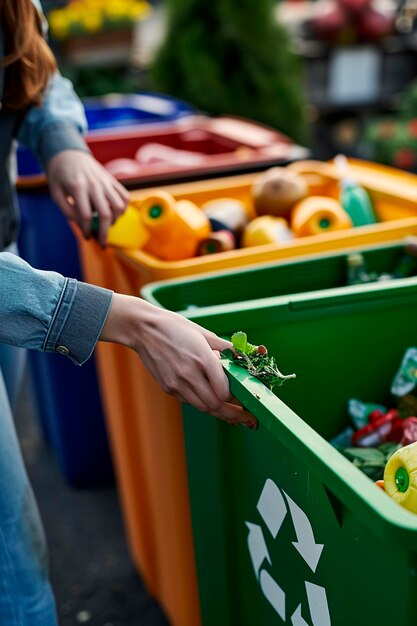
(322, 271)
(286, 530)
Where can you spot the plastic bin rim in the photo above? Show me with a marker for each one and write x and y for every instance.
(155, 179)
(147, 291)
(311, 300)
(143, 259)
(160, 174)
(281, 420)
(137, 99)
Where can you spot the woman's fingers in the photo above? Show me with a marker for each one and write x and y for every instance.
(196, 389)
(233, 414)
(210, 393)
(101, 206)
(61, 199)
(217, 343)
(76, 175)
(115, 201)
(75, 205)
(189, 397)
(82, 208)
(227, 412)
(217, 379)
(180, 355)
(235, 401)
(120, 190)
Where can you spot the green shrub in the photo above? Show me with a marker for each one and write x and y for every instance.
(231, 57)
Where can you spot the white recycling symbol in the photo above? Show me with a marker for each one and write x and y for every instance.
(273, 506)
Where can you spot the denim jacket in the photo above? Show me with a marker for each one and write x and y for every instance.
(43, 310)
(56, 125)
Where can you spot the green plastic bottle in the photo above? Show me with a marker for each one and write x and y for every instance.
(354, 198)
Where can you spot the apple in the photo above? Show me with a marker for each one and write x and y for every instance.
(330, 20)
(373, 25)
(355, 6)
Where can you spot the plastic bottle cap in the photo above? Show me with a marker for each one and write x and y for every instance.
(95, 223)
(155, 211)
(402, 479)
(342, 165)
(375, 416)
(348, 183)
(355, 259)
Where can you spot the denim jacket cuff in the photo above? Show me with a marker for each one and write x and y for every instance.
(59, 136)
(78, 320)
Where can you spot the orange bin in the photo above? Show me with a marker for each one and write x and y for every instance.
(145, 425)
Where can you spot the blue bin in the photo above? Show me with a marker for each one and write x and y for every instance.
(116, 111)
(68, 398)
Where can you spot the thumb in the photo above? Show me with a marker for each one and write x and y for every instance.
(217, 343)
(61, 199)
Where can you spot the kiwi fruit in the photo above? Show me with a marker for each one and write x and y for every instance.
(277, 190)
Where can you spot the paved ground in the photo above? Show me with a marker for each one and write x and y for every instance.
(94, 581)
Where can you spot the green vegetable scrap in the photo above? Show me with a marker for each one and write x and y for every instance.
(371, 461)
(256, 361)
(241, 344)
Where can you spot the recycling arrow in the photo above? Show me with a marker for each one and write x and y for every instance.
(317, 602)
(273, 593)
(306, 544)
(273, 508)
(257, 547)
(271, 505)
(297, 619)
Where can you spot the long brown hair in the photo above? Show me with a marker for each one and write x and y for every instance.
(28, 60)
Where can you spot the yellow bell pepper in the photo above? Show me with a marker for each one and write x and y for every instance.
(400, 477)
(127, 232)
(175, 227)
(266, 229)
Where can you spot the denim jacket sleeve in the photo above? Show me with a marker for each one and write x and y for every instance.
(45, 311)
(57, 124)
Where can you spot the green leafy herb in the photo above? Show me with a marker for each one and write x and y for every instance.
(240, 343)
(257, 362)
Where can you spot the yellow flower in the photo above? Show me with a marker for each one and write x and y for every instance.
(115, 11)
(138, 9)
(92, 21)
(90, 14)
(58, 23)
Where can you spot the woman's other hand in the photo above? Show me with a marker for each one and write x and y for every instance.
(80, 186)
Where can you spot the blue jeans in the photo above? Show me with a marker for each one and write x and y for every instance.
(12, 364)
(26, 597)
(12, 360)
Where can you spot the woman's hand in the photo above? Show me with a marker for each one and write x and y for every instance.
(80, 185)
(182, 356)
